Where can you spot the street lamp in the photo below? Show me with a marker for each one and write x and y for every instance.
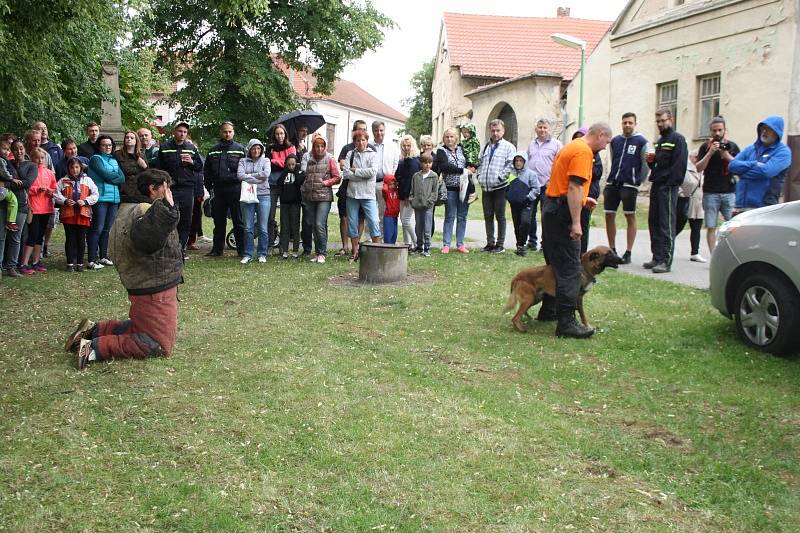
(574, 42)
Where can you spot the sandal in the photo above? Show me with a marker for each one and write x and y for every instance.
(342, 253)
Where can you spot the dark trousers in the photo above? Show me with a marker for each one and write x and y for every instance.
(586, 215)
(275, 197)
(661, 220)
(184, 199)
(564, 255)
(695, 224)
(290, 227)
(521, 217)
(150, 330)
(36, 229)
(306, 230)
(223, 203)
(532, 238)
(74, 243)
(197, 220)
(494, 207)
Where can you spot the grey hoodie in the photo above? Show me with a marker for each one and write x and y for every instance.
(255, 171)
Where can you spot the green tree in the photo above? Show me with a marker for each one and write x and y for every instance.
(50, 69)
(224, 51)
(420, 119)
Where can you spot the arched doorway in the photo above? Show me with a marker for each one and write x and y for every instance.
(505, 112)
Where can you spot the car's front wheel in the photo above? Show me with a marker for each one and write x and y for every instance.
(767, 312)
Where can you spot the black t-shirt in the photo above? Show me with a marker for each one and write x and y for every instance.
(716, 177)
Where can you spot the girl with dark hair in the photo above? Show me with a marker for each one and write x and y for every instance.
(279, 150)
(107, 176)
(131, 160)
(76, 193)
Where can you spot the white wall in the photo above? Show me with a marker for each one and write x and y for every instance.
(343, 117)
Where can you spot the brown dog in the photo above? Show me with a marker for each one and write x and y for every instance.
(531, 284)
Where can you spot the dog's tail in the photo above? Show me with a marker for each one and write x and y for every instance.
(512, 301)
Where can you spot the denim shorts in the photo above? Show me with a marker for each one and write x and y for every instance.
(718, 203)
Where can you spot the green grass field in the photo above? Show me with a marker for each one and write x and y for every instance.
(294, 404)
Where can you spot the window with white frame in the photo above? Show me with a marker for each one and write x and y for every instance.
(668, 98)
(708, 101)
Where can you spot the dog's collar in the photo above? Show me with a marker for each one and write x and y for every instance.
(587, 281)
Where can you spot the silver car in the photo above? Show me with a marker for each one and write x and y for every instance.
(755, 276)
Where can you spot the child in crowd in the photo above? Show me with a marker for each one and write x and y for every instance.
(424, 192)
(470, 144)
(12, 204)
(76, 193)
(521, 192)
(40, 203)
(392, 200)
(290, 181)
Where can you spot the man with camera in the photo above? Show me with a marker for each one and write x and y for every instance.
(719, 185)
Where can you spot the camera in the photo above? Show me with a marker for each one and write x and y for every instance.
(725, 146)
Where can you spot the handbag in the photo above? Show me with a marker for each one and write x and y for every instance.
(248, 194)
(441, 196)
(208, 209)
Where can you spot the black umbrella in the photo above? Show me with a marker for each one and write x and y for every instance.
(291, 121)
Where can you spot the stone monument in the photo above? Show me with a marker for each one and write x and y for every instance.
(111, 123)
(382, 263)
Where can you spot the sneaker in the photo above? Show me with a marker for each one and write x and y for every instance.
(25, 270)
(650, 264)
(462, 249)
(626, 258)
(12, 226)
(79, 268)
(320, 259)
(245, 260)
(314, 259)
(488, 248)
(661, 268)
(426, 253)
(83, 331)
(106, 261)
(697, 258)
(203, 238)
(85, 354)
(94, 266)
(284, 257)
(69, 268)
(262, 258)
(214, 253)
(295, 256)
(532, 246)
(445, 249)
(521, 251)
(498, 250)
(13, 273)
(39, 267)
(574, 330)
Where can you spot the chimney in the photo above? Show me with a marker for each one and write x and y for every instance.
(562, 12)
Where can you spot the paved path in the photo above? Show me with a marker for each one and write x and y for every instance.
(684, 271)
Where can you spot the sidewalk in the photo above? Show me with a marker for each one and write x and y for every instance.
(684, 271)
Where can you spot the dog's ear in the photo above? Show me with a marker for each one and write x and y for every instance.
(593, 256)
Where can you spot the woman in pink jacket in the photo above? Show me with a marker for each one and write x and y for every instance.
(40, 205)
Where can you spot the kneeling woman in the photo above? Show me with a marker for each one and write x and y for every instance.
(361, 168)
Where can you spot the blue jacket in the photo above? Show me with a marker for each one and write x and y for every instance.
(523, 185)
(628, 163)
(762, 169)
(106, 174)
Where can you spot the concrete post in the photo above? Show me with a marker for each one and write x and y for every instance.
(791, 187)
(111, 123)
(382, 263)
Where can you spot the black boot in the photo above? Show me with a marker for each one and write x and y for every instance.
(547, 312)
(571, 328)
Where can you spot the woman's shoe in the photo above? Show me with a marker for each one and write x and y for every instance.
(445, 249)
(262, 258)
(106, 261)
(25, 270)
(462, 249)
(245, 260)
(39, 267)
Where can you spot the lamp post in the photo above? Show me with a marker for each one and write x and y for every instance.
(574, 42)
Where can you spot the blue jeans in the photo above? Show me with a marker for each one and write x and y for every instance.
(10, 241)
(249, 214)
(532, 239)
(316, 213)
(389, 229)
(370, 207)
(454, 208)
(103, 215)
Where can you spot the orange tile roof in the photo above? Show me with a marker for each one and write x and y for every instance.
(345, 92)
(488, 46)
